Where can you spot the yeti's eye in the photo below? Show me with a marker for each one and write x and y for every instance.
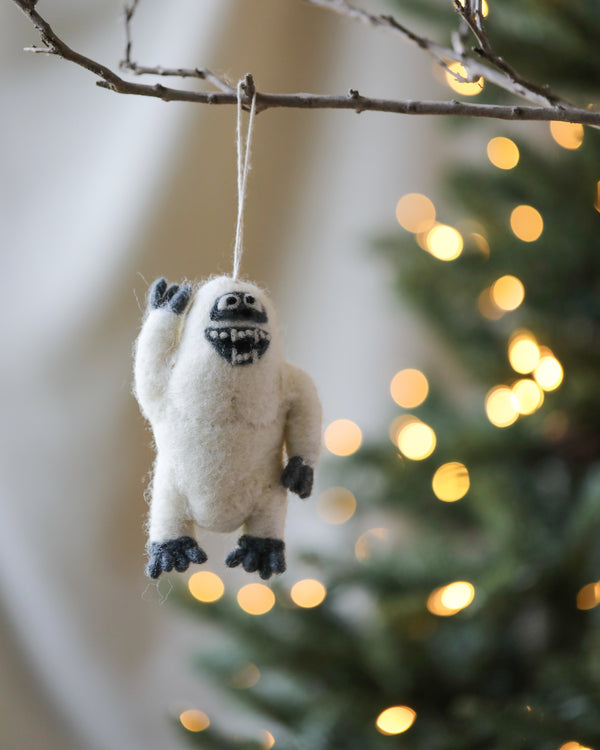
(228, 302)
(250, 300)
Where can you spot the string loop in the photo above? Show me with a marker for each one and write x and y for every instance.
(243, 167)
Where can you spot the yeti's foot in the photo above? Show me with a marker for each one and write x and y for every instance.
(174, 553)
(257, 553)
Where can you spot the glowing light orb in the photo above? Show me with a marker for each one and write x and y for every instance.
(501, 406)
(415, 212)
(588, 597)
(503, 153)
(417, 440)
(246, 677)
(466, 88)
(206, 586)
(529, 395)
(336, 505)
(255, 598)
(343, 437)
(308, 593)
(444, 242)
(549, 373)
(487, 307)
(194, 721)
(507, 293)
(395, 720)
(451, 482)
(409, 388)
(523, 352)
(526, 223)
(457, 595)
(267, 739)
(569, 135)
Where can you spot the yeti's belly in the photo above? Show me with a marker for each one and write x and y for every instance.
(226, 469)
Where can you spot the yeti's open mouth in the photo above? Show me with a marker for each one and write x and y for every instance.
(239, 345)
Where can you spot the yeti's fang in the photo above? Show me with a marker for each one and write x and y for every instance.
(239, 345)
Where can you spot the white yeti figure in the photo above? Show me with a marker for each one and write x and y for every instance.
(211, 380)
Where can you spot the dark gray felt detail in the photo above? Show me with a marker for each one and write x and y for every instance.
(298, 477)
(255, 553)
(174, 553)
(173, 297)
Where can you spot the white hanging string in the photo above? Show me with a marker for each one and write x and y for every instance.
(243, 164)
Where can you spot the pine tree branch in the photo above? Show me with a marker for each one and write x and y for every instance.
(352, 101)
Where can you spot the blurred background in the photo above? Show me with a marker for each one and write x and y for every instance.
(439, 283)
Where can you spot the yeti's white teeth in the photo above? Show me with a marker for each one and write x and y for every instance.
(234, 334)
(262, 334)
(214, 334)
(224, 334)
(241, 335)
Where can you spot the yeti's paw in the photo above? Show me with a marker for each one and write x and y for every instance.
(298, 477)
(257, 553)
(174, 553)
(169, 297)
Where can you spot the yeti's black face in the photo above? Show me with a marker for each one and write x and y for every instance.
(237, 339)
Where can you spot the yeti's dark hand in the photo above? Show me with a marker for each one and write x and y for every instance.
(174, 553)
(169, 297)
(298, 477)
(258, 553)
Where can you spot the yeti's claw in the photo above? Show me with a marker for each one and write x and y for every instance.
(298, 477)
(173, 297)
(174, 553)
(258, 553)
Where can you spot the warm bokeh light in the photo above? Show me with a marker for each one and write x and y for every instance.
(206, 586)
(395, 720)
(527, 223)
(256, 598)
(444, 242)
(415, 212)
(343, 437)
(308, 593)
(549, 372)
(487, 307)
(368, 541)
(466, 88)
(567, 134)
(267, 739)
(435, 606)
(501, 406)
(416, 440)
(507, 293)
(574, 746)
(523, 352)
(451, 482)
(481, 243)
(336, 505)
(589, 596)
(246, 677)
(398, 424)
(409, 388)
(457, 595)
(194, 721)
(529, 395)
(503, 153)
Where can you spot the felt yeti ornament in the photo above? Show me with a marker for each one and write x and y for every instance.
(224, 406)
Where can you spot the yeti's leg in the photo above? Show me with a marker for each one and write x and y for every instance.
(261, 547)
(170, 544)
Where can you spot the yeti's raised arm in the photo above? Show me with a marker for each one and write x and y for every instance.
(302, 431)
(156, 342)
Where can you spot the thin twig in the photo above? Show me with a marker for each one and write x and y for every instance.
(353, 101)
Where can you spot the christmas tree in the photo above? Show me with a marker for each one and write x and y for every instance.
(464, 616)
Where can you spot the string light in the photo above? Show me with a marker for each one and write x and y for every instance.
(246, 677)
(398, 424)
(267, 739)
(256, 598)
(523, 352)
(206, 586)
(416, 440)
(451, 599)
(343, 437)
(526, 223)
(501, 406)
(574, 746)
(194, 721)
(466, 88)
(395, 719)
(415, 212)
(444, 242)
(569, 135)
(503, 153)
(588, 597)
(409, 388)
(451, 482)
(482, 244)
(507, 293)
(308, 593)
(367, 541)
(336, 505)
(487, 307)
(528, 394)
(549, 372)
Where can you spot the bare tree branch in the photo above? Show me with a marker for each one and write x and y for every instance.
(352, 101)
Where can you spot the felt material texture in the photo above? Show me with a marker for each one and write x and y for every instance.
(221, 430)
(267, 556)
